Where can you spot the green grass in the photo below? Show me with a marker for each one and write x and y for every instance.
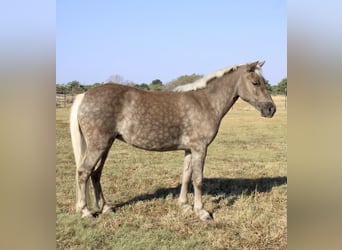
(245, 188)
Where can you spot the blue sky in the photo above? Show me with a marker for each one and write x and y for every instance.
(147, 40)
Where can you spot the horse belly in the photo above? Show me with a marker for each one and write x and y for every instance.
(151, 134)
(159, 139)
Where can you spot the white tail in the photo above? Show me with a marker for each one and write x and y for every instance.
(78, 143)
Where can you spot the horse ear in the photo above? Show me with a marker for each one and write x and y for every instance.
(260, 64)
(251, 66)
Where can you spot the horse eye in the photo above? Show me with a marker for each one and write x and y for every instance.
(255, 83)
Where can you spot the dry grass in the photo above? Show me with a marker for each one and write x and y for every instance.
(245, 188)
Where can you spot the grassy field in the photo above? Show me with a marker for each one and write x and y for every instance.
(245, 188)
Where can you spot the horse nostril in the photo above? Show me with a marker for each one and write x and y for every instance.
(269, 109)
(272, 109)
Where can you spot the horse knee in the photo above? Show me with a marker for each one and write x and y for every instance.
(83, 174)
(197, 182)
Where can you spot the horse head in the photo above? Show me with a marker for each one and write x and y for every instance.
(252, 89)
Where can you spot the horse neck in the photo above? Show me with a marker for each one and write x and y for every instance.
(222, 93)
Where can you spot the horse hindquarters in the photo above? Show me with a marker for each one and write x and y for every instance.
(87, 157)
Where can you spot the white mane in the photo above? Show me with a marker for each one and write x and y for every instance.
(202, 82)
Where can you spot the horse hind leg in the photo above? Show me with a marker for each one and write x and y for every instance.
(86, 169)
(100, 201)
(83, 174)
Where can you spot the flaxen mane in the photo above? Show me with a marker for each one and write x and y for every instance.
(202, 82)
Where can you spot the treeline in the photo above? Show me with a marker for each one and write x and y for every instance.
(279, 89)
(74, 87)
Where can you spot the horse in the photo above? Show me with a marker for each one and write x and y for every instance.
(187, 118)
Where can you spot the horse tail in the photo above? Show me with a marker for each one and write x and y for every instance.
(77, 139)
(78, 142)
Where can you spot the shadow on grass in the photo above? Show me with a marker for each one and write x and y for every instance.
(222, 187)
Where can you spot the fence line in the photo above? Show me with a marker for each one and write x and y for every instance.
(65, 98)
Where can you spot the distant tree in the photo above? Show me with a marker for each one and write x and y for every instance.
(268, 87)
(116, 79)
(96, 84)
(73, 84)
(156, 85)
(142, 86)
(181, 80)
(281, 87)
(74, 87)
(61, 88)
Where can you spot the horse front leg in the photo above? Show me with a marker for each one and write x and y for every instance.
(187, 171)
(197, 163)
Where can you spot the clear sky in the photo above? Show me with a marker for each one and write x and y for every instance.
(153, 39)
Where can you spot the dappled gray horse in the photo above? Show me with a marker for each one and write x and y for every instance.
(187, 119)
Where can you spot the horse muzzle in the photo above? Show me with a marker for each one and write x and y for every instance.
(267, 109)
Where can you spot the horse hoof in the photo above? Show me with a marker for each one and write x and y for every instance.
(204, 215)
(87, 214)
(107, 209)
